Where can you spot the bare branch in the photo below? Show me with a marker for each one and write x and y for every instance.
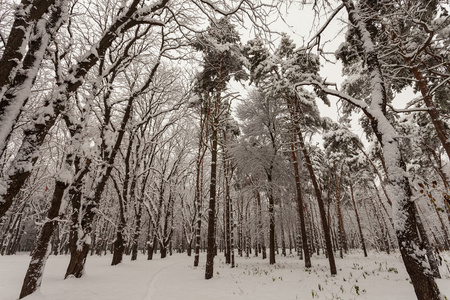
(315, 40)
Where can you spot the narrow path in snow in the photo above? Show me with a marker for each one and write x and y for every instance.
(152, 283)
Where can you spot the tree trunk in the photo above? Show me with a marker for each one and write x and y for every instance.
(300, 210)
(119, 241)
(79, 246)
(404, 210)
(318, 193)
(227, 225)
(36, 132)
(271, 221)
(262, 241)
(428, 248)
(211, 250)
(358, 221)
(199, 194)
(26, 16)
(149, 249)
(119, 245)
(432, 110)
(232, 234)
(342, 235)
(137, 232)
(41, 250)
(283, 240)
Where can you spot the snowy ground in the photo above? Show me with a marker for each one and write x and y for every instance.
(378, 277)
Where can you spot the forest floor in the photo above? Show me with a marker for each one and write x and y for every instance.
(380, 276)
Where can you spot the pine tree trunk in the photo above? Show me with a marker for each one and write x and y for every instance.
(199, 193)
(300, 210)
(262, 242)
(432, 110)
(444, 229)
(283, 241)
(271, 221)
(358, 221)
(318, 193)
(428, 248)
(232, 233)
(408, 240)
(340, 228)
(227, 225)
(211, 250)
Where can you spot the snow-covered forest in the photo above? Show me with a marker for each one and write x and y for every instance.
(168, 142)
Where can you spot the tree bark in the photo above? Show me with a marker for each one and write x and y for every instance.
(271, 220)
(211, 249)
(427, 245)
(318, 193)
(26, 16)
(137, 232)
(199, 189)
(41, 250)
(358, 221)
(300, 210)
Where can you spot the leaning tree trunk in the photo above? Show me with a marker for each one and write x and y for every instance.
(80, 245)
(323, 216)
(41, 250)
(296, 114)
(26, 16)
(16, 93)
(400, 190)
(36, 132)
(404, 210)
(428, 248)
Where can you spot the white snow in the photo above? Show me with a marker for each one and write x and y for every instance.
(379, 276)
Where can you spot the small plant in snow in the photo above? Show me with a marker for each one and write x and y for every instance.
(358, 291)
(393, 270)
